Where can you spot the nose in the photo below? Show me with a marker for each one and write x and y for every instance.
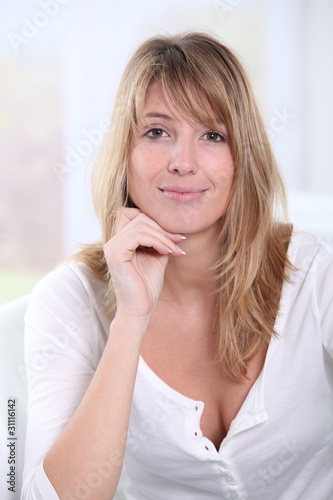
(183, 159)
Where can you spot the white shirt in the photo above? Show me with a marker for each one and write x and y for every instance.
(279, 446)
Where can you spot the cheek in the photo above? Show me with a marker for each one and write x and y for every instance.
(229, 171)
(223, 175)
(134, 187)
(144, 167)
(134, 171)
(138, 183)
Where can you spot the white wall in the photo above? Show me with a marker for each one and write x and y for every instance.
(76, 50)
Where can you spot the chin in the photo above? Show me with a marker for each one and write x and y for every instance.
(177, 225)
(178, 222)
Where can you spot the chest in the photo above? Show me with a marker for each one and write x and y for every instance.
(292, 429)
(187, 365)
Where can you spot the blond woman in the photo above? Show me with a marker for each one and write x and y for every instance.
(192, 347)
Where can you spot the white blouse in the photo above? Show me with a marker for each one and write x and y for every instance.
(279, 446)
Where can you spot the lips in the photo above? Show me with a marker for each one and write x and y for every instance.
(182, 194)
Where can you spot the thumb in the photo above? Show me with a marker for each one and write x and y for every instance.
(126, 215)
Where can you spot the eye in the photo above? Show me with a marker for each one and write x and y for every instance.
(156, 133)
(214, 137)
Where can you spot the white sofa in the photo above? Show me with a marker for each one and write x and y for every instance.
(12, 387)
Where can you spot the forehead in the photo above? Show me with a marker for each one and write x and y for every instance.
(155, 97)
(158, 103)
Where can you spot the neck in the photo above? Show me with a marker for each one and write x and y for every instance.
(189, 276)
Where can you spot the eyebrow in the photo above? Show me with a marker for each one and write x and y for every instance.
(154, 114)
(159, 115)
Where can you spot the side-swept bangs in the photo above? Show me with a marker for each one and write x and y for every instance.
(185, 92)
(198, 80)
(204, 81)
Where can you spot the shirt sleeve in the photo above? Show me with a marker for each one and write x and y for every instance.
(324, 294)
(64, 340)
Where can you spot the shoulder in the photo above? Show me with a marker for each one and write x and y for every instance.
(310, 252)
(71, 289)
(312, 277)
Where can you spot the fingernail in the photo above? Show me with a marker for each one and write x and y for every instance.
(181, 236)
(169, 249)
(181, 251)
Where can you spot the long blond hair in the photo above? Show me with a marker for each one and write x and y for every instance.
(204, 80)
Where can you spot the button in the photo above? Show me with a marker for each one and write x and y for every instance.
(234, 494)
(221, 463)
(230, 479)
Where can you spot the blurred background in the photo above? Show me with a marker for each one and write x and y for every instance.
(60, 66)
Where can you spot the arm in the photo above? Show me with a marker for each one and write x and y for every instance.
(93, 443)
(91, 448)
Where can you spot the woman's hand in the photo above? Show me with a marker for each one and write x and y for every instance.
(137, 257)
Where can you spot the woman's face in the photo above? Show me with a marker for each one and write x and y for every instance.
(180, 172)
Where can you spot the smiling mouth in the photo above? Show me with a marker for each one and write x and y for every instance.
(182, 195)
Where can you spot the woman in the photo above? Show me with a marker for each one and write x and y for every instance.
(197, 336)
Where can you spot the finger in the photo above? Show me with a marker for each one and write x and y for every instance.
(126, 215)
(119, 254)
(146, 243)
(125, 243)
(149, 237)
(142, 220)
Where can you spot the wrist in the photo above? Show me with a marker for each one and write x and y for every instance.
(130, 326)
(137, 319)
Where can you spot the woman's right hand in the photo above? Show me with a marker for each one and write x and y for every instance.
(137, 257)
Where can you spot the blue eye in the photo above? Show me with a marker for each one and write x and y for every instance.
(155, 133)
(214, 137)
